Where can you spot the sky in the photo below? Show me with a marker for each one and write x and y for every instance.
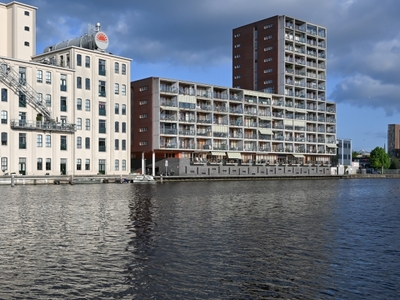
(191, 40)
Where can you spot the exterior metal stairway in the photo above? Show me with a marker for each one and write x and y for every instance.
(12, 79)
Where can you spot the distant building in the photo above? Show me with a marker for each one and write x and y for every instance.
(65, 111)
(344, 152)
(393, 140)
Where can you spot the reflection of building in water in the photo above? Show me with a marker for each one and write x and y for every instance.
(65, 110)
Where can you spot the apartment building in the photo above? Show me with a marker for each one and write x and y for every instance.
(193, 124)
(66, 110)
(281, 55)
(393, 142)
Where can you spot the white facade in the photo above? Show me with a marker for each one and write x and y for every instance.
(67, 112)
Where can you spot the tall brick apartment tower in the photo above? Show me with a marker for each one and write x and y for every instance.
(281, 55)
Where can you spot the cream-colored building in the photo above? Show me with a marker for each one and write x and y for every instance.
(65, 111)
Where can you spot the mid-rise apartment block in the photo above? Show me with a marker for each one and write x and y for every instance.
(393, 137)
(66, 110)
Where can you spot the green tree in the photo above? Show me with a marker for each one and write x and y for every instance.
(394, 163)
(379, 159)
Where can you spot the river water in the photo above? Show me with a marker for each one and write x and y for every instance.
(273, 239)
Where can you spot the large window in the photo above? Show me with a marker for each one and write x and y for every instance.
(123, 145)
(79, 104)
(39, 164)
(48, 100)
(4, 117)
(4, 164)
(102, 108)
(123, 90)
(123, 127)
(87, 105)
(102, 126)
(123, 109)
(123, 70)
(102, 166)
(87, 143)
(48, 77)
(40, 97)
(116, 108)
(116, 68)
(79, 60)
(79, 164)
(22, 75)
(116, 126)
(78, 82)
(102, 67)
(87, 164)
(117, 144)
(39, 76)
(63, 103)
(4, 95)
(102, 88)
(48, 164)
(79, 123)
(63, 142)
(123, 165)
(87, 124)
(116, 88)
(63, 83)
(116, 165)
(102, 145)
(79, 142)
(22, 99)
(4, 138)
(87, 84)
(87, 62)
(48, 141)
(39, 140)
(22, 140)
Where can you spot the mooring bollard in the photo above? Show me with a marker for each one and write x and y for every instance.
(12, 180)
(161, 177)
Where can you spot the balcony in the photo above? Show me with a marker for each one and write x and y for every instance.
(42, 126)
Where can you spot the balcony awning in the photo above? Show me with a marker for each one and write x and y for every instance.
(265, 131)
(235, 155)
(298, 155)
(218, 153)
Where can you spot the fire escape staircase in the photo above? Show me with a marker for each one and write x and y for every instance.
(12, 79)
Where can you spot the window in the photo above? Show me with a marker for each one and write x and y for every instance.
(143, 102)
(22, 118)
(48, 100)
(117, 144)
(102, 67)
(268, 37)
(39, 140)
(123, 127)
(48, 141)
(268, 71)
(63, 142)
(123, 70)
(39, 164)
(48, 77)
(87, 164)
(102, 145)
(123, 145)
(102, 108)
(79, 142)
(123, 165)
(26, 13)
(4, 96)
(22, 140)
(116, 165)
(117, 126)
(4, 164)
(39, 76)
(268, 26)
(79, 164)
(79, 124)
(268, 59)
(4, 117)
(22, 75)
(102, 126)
(143, 129)
(4, 138)
(87, 84)
(237, 66)
(87, 124)
(116, 108)
(236, 35)
(63, 103)
(102, 166)
(79, 104)
(63, 83)
(143, 116)
(87, 105)
(48, 164)
(268, 48)
(79, 60)
(22, 99)
(116, 88)
(143, 143)
(40, 97)
(102, 88)
(87, 62)
(123, 90)
(87, 143)
(123, 109)
(116, 68)
(78, 82)
(237, 46)
(26, 44)
(143, 88)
